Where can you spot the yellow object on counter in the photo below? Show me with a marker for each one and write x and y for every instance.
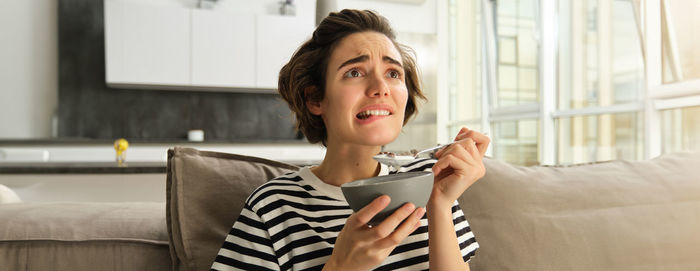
(120, 145)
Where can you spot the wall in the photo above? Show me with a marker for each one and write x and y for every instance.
(28, 70)
(90, 109)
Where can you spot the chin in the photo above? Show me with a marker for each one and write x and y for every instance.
(380, 138)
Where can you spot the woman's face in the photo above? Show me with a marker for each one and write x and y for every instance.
(366, 92)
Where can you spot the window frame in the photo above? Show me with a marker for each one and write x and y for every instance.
(653, 98)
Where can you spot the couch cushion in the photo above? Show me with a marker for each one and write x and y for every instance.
(84, 236)
(206, 192)
(83, 221)
(617, 215)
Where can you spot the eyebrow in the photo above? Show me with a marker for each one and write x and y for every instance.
(364, 58)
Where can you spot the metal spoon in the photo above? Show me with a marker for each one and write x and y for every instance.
(397, 160)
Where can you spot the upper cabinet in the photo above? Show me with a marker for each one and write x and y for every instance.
(173, 46)
(223, 49)
(147, 45)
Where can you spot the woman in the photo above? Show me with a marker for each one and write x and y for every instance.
(352, 87)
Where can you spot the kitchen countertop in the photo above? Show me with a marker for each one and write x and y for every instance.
(173, 141)
(92, 156)
(82, 168)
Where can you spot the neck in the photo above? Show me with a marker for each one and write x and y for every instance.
(343, 164)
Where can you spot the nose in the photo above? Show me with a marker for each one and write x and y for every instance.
(378, 86)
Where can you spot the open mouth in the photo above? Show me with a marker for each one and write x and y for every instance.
(369, 113)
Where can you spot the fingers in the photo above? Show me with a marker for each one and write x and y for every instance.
(462, 133)
(458, 157)
(482, 141)
(471, 147)
(465, 149)
(392, 221)
(408, 226)
(391, 231)
(452, 161)
(364, 215)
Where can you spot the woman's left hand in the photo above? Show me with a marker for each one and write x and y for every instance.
(458, 167)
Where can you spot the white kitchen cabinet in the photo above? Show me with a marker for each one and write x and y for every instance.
(178, 47)
(147, 45)
(223, 49)
(278, 38)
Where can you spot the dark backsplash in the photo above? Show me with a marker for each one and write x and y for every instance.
(88, 108)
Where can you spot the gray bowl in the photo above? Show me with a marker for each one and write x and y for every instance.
(414, 187)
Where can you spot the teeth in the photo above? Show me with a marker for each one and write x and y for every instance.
(366, 114)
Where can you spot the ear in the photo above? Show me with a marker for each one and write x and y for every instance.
(313, 106)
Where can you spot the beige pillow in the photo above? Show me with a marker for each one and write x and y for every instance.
(616, 215)
(206, 192)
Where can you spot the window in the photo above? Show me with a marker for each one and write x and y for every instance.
(680, 129)
(676, 92)
(681, 59)
(601, 80)
(517, 141)
(587, 138)
(465, 57)
(517, 53)
(569, 81)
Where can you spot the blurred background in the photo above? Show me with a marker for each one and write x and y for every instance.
(576, 81)
(550, 81)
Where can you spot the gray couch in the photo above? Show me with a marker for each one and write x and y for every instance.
(615, 215)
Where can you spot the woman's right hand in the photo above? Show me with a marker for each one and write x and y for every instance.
(359, 247)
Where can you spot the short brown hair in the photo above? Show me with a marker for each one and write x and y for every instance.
(306, 70)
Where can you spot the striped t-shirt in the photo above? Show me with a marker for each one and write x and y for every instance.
(292, 221)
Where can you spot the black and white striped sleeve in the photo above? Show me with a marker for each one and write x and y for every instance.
(248, 245)
(465, 236)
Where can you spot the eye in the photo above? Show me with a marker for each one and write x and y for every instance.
(352, 73)
(394, 74)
